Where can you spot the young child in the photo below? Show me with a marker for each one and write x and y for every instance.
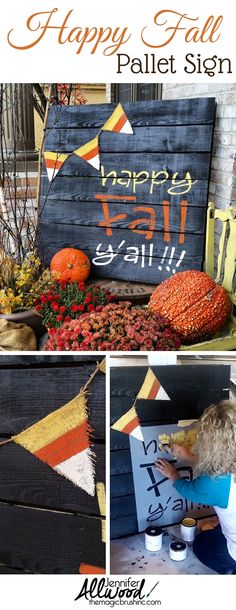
(215, 484)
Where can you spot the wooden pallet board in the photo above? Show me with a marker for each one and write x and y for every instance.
(165, 112)
(47, 524)
(147, 203)
(48, 542)
(54, 387)
(168, 138)
(25, 479)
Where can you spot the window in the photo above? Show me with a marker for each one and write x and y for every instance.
(135, 92)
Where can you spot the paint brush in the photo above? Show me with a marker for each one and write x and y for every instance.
(165, 448)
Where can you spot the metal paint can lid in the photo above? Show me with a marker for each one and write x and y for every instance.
(178, 550)
(153, 530)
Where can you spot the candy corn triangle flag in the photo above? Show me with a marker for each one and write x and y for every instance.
(90, 152)
(151, 389)
(54, 162)
(129, 424)
(62, 440)
(118, 122)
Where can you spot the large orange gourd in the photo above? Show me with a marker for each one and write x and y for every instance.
(70, 265)
(194, 304)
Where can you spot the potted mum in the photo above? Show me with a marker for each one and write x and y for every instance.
(114, 327)
(66, 301)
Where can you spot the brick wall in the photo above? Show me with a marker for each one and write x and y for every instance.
(223, 167)
(222, 190)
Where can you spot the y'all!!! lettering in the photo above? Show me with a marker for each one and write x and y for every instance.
(143, 254)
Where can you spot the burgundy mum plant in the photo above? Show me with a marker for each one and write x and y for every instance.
(65, 302)
(116, 327)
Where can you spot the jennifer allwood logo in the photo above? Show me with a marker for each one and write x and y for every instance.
(112, 593)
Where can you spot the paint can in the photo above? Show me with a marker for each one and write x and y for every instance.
(153, 538)
(178, 550)
(188, 529)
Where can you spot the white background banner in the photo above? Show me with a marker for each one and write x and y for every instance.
(60, 592)
(88, 41)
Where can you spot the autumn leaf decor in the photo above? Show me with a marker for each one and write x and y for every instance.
(21, 283)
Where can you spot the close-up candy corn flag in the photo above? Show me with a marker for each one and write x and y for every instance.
(62, 440)
(151, 389)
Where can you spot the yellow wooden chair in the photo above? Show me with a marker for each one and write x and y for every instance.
(226, 274)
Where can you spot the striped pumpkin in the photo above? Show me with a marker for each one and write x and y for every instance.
(195, 306)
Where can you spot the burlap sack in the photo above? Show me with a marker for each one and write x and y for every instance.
(14, 337)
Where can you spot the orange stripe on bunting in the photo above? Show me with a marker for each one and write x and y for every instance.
(68, 444)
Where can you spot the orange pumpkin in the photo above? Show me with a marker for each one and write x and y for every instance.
(70, 265)
(195, 306)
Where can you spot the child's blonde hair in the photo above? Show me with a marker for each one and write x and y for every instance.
(216, 439)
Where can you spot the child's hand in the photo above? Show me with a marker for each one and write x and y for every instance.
(181, 452)
(167, 469)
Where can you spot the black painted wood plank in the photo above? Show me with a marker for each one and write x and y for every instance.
(197, 164)
(163, 112)
(125, 526)
(171, 139)
(120, 507)
(128, 380)
(29, 395)
(193, 378)
(118, 440)
(154, 412)
(119, 405)
(47, 361)
(6, 570)
(118, 397)
(91, 214)
(26, 480)
(120, 462)
(187, 386)
(47, 542)
(83, 189)
(121, 485)
(88, 238)
(119, 269)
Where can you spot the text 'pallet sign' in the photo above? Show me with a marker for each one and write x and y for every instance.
(134, 200)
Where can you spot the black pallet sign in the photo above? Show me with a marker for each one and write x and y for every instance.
(142, 216)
